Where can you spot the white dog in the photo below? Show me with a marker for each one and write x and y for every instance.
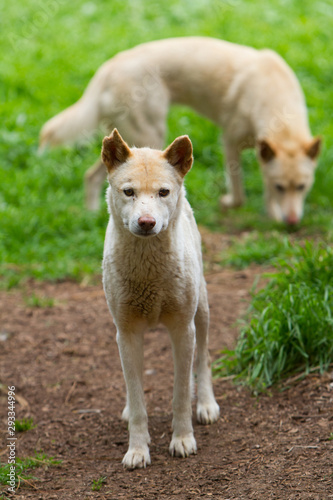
(152, 273)
(252, 94)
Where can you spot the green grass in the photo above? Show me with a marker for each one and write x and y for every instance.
(264, 247)
(290, 322)
(50, 51)
(24, 466)
(96, 485)
(25, 424)
(258, 248)
(39, 301)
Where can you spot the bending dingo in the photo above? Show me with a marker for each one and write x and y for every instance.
(252, 94)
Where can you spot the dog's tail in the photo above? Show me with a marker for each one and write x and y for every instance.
(79, 120)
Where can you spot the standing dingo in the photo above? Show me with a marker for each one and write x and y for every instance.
(152, 273)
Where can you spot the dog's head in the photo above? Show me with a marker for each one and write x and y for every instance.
(288, 176)
(145, 183)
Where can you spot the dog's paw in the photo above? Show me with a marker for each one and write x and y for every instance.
(183, 446)
(228, 201)
(136, 458)
(125, 414)
(208, 413)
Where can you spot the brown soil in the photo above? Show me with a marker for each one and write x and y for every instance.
(63, 361)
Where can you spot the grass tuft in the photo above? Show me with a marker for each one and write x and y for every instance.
(25, 424)
(96, 485)
(290, 322)
(22, 466)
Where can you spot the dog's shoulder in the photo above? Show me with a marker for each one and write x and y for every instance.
(274, 64)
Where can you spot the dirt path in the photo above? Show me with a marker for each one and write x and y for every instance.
(64, 363)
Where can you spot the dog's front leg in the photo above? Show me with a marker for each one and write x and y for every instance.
(235, 196)
(207, 409)
(131, 353)
(183, 340)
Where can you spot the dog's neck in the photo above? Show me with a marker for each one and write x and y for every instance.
(283, 122)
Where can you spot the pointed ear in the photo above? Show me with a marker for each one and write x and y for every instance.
(312, 149)
(114, 150)
(180, 154)
(266, 151)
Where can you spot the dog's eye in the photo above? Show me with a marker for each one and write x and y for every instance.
(128, 192)
(300, 187)
(164, 192)
(280, 188)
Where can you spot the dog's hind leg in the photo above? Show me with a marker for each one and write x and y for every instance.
(183, 340)
(131, 354)
(235, 196)
(207, 409)
(94, 179)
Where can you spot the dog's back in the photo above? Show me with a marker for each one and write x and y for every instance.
(194, 71)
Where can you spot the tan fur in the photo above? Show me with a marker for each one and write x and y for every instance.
(152, 273)
(252, 94)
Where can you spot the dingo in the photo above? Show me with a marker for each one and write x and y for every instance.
(152, 272)
(252, 94)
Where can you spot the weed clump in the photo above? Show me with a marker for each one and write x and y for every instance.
(290, 323)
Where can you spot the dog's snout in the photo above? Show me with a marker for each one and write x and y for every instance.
(292, 219)
(146, 223)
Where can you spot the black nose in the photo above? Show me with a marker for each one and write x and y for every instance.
(147, 223)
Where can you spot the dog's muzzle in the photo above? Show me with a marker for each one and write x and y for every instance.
(146, 224)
